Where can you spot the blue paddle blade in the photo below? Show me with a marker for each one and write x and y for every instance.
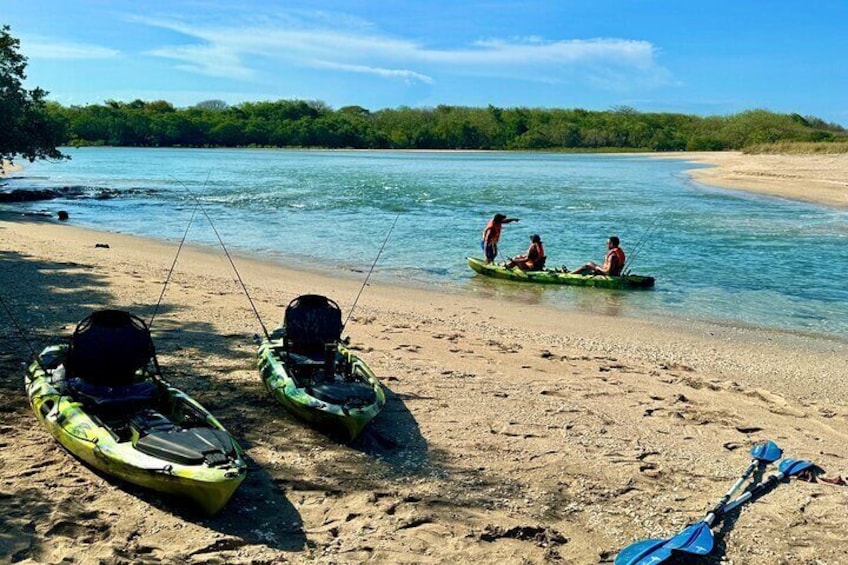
(696, 539)
(791, 467)
(767, 452)
(645, 552)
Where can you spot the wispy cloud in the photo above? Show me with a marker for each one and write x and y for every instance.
(37, 47)
(408, 76)
(240, 50)
(211, 60)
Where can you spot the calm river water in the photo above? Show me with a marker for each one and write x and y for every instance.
(719, 256)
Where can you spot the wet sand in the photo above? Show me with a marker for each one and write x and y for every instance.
(513, 433)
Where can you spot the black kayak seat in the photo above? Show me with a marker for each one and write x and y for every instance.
(539, 265)
(114, 398)
(311, 322)
(108, 347)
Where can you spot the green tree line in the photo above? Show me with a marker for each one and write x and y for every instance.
(302, 123)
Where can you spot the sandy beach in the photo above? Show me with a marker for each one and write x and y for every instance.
(820, 179)
(512, 434)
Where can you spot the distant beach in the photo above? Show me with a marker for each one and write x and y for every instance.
(6, 167)
(820, 179)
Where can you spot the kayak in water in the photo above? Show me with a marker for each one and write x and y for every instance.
(556, 276)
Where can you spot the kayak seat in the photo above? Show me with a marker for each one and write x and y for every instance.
(540, 264)
(114, 398)
(311, 323)
(109, 348)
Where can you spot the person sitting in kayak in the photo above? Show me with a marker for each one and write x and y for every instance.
(533, 259)
(613, 262)
(492, 234)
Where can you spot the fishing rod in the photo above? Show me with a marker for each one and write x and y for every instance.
(177, 256)
(174, 264)
(374, 264)
(18, 327)
(227, 253)
(637, 248)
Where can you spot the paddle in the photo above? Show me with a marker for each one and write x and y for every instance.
(761, 454)
(697, 538)
(787, 468)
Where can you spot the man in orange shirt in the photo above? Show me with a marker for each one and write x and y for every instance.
(492, 234)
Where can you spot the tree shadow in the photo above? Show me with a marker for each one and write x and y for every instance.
(42, 294)
(46, 299)
(20, 511)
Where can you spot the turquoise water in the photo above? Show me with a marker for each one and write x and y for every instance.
(721, 256)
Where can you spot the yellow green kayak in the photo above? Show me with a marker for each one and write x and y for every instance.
(314, 375)
(553, 276)
(103, 398)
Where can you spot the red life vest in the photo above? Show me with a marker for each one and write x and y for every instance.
(494, 230)
(536, 257)
(536, 252)
(619, 264)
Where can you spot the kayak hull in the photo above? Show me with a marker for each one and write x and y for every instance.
(83, 431)
(551, 276)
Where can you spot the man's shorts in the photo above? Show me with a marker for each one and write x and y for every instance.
(489, 250)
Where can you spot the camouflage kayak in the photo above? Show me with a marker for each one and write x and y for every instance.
(104, 400)
(314, 375)
(553, 276)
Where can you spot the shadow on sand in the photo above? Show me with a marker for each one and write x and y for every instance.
(394, 438)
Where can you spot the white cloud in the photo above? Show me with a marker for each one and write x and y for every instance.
(241, 51)
(409, 76)
(210, 60)
(43, 48)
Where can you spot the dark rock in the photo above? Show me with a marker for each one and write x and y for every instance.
(27, 195)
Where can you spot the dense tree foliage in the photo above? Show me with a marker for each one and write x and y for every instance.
(300, 123)
(26, 128)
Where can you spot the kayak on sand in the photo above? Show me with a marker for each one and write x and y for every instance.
(101, 395)
(311, 371)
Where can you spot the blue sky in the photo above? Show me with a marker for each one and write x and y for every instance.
(690, 56)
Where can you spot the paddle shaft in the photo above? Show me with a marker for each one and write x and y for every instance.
(757, 490)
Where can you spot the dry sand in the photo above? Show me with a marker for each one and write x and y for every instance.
(513, 433)
(821, 179)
